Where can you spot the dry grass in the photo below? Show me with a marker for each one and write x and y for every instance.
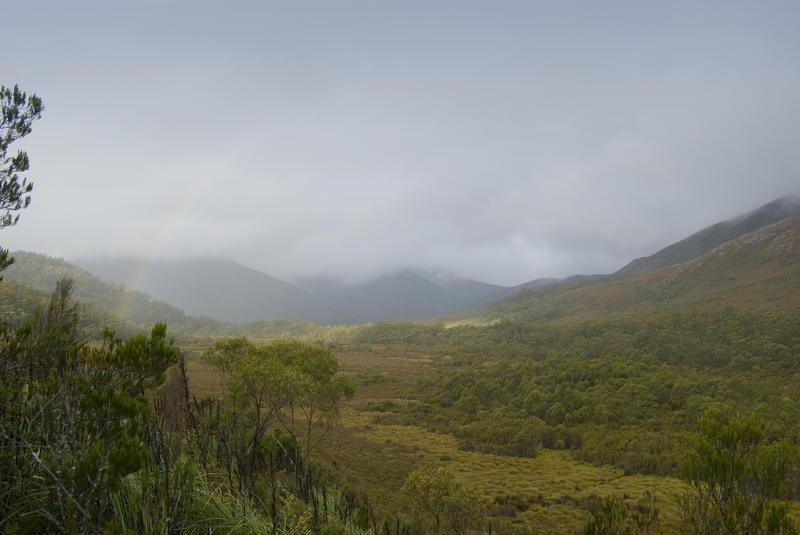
(383, 375)
(204, 380)
(403, 367)
(553, 485)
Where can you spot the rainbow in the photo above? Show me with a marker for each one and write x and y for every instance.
(144, 263)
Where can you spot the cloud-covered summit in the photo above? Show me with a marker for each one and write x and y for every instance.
(503, 141)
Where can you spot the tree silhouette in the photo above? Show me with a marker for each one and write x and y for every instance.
(18, 112)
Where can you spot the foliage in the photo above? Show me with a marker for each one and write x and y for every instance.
(736, 477)
(612, 516)
(73, 418)
(287, 382)
(18, 112)
(443, 501)
(318, 389)
(624, 391)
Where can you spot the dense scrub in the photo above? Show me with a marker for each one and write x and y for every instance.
(623, 391)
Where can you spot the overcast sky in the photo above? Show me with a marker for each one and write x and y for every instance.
(503, 141)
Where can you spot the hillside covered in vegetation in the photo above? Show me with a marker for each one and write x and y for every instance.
(759, 269)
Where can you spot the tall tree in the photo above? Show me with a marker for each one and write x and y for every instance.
(18, 112)
(317, 392)
(287, 383)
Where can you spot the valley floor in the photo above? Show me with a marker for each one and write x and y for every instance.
(547, 494)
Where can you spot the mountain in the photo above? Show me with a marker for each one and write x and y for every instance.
(19, 303)
(18, 300)
(468, 291)
(537, 284)
(212, 287)
(758, 269)
(701, 242)
(228, 291)
(403, 295)
(40, 273)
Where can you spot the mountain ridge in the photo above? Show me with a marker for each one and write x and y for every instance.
(715, 235)
(757, 269)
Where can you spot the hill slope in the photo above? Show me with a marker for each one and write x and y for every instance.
(759, 269)
(41, 272)
(702, 242)
(19, 303)
(209, 287)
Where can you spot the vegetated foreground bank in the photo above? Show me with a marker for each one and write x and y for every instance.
(94, 440)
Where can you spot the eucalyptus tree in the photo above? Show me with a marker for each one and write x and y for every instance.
(286, 385)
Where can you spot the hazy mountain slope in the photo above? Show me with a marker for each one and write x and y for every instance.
(41, 272)
(229, 291)
(701, 242)
(210, 286)
(410, 294)
(549, 285)
(399, 296)
(19, 301)
(470, 291)
(536, 284)
(760, 269)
